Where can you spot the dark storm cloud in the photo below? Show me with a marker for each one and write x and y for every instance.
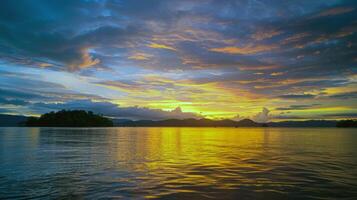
(346, 95)
(12, 102)
(310, 43)
(73, 33)
(341, 115)
(19, 86)
(20, 97)
(297, 96)
(297, 107)
(289, 117)
(5, 110)
(6, 93)
(62, 32)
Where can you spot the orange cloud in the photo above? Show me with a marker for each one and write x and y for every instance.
(44, 65)
(261, 35)
(86, 61)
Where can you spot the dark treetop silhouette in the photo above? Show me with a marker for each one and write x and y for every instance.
(347, 123)
(67, 118)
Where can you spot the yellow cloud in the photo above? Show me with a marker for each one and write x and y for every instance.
(277, 73)
(159, 92)
(44, 65)
(257, 68)
(161, 46)
(249, 49)
(340, 90)
(140, 56)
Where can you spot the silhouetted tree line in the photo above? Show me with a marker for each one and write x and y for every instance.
(70, 118)
(346, 123)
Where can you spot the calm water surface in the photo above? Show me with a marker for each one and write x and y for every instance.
(178, 163)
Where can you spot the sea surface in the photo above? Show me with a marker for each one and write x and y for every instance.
(178, 163)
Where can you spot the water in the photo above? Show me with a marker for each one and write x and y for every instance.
(178, 163)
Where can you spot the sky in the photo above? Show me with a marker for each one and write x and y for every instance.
(267, 60)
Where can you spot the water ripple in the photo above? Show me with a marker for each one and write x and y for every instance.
(178, 163)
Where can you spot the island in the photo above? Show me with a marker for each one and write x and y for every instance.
(69, 118)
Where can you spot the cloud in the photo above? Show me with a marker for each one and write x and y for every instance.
(259, 68)
(161, 46)
(276, 73)
(260, 117)
(263, 116)
(297, 96)
(289, 117)
(238, 118)
(249, 49)
(344, 95)
(262, 35)
(335, 11)
(341, 115)
(140, 56)
(11, 101)
(297, 107)
(44, 65)
(86, 61)
(207, 54)
(67, 34)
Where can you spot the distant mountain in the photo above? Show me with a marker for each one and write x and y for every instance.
(189, 123)
(231, 123)
(308, 123)
(120, 121)
(15, 120)
(12, 120)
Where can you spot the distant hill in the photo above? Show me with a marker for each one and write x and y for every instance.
(308, 123)
(231, 123)
(189, 123)
(12, 120)
(86, 120)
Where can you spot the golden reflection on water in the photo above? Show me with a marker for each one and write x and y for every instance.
(175, 145)
(183, 160)
(179, 163)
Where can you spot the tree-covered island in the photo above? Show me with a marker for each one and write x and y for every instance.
(70, 118)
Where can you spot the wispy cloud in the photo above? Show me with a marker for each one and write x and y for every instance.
(335, 11)
(160, 46)
(249, 49)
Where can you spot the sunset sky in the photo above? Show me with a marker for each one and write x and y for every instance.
(267, 60)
